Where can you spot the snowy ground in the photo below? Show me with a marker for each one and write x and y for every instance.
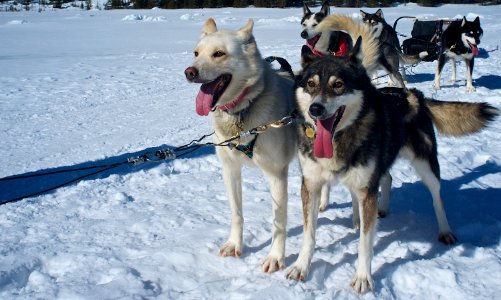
(84, 88)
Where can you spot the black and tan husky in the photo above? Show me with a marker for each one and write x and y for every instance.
(354, 132)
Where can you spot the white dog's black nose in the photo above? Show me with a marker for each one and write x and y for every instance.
(316, 110)
(191, 73)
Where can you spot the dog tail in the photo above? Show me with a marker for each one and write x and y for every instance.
(370, 44)
(408, 59)
(460, 118)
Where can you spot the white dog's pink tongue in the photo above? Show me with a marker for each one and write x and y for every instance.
(205, 98)
(322, 147)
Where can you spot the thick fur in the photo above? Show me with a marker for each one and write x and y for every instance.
(377, 126)
(458, 41)
(392, 56)
(329, 41)
(269, 98)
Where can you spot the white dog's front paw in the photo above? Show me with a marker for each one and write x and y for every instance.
(297, 272)
(273, 263)
(436, 87)
(231, 249)
(470, 89)
(362, 284)
(323, 204)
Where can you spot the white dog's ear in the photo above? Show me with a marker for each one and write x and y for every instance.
(246, 32)
(209, 27)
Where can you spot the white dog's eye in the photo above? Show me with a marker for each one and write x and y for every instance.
(195, 53)
(218, 54)
(314, 25)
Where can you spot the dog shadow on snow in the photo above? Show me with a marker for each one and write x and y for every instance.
(473, 213)
(491, 82)
(12, 189)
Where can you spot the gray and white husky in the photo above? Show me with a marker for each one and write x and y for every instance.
(391, 53)
(241, 91)
(359, 131)
(459, 42)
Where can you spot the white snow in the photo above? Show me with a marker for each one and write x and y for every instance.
(83, 88)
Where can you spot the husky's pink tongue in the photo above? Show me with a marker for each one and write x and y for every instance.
(205, 97)
(322, 147)
(474, 49)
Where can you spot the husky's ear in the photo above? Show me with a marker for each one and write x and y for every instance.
(325, 8)
(477, 20)
(306, 10)
(355, 55)
(209, 27)
(464, 21)
(379, 13)
(246, 32)
(307, 56)
(362, 14)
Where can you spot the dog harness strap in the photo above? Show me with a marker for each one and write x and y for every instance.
(247, 149)
(235, 101)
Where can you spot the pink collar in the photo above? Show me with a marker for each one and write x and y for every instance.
(235, 101)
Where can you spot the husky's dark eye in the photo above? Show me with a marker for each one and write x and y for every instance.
(195, 53)
(314, 25)
(219, 54)
(337, 85)
(311, 83)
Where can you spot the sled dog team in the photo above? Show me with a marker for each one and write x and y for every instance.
(346, 131)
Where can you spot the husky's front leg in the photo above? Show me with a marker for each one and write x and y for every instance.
(278, 187)
(310, 194)
(232, 176)
(362, 281)
(469, 72)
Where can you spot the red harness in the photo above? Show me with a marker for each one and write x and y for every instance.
(235, 101)
(342, 51)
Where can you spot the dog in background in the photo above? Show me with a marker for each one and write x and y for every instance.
(359, 131)
(241, 91)
(325, 42)
(459, 42)
(391, 57)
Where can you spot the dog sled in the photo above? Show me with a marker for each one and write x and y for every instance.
(426, 35)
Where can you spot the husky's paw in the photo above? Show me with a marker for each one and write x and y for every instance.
(272, 263)
(436, 87)
(447, 238)
(470, 89)
(323, 205)
(356, 222)
(231, 249)
(297, 272)
(362, 284)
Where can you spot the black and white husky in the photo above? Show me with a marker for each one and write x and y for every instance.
(459, 42)
(354, 132)
(391, 53)
(325, 42)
